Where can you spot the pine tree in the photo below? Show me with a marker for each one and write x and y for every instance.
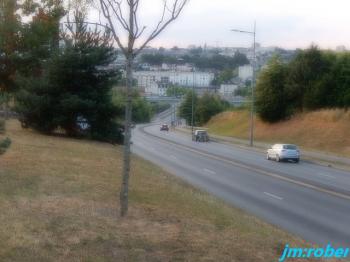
(74, 90)
(9, 37)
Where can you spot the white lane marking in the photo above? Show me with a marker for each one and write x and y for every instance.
(325, 175)
(209, 171)
(273, 196)
(173, 157)
(251, 168)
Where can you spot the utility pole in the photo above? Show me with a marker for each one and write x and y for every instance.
(252, 109)
(192, 120)
(253, 89)
(174, 94)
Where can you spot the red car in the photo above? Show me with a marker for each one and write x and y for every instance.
(164, 127)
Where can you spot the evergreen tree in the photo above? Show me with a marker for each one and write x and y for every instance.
(74, 90)
(40, 37)
(341, 81)
(9, 39)
(307, 79)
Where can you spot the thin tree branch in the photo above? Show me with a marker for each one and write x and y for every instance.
(176, 11)
(106, 14)
(113, 7)
(136, 33)
(118, 13)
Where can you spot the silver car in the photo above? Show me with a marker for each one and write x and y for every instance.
(281, 152)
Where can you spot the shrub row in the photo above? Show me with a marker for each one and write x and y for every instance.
(313, 80)
(4, 145)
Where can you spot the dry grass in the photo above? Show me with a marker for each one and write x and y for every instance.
(325, 130)
(59, 202)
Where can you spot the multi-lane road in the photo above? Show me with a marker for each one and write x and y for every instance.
(306, 199)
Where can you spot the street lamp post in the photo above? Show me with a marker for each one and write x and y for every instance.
(251, 141)
(192, 115)
(174, 93)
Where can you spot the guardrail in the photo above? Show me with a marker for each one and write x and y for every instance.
(162, 98)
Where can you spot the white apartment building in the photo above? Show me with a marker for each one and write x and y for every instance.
(156, 82)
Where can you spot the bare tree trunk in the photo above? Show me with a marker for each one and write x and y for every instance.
(113, 12)
(127, 137)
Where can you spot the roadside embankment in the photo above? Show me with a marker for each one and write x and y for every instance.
(60, 202)
(323, 131)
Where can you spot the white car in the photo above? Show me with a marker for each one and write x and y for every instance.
(281, 152)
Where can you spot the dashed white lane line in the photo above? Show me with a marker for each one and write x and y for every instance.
(325, 175)
(209, 171)
(173, 157)
(273, 196)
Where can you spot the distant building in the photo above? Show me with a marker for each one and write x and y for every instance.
(120, 61)
(185, 68)
(156, 82)
(227, 90)
(245, 72)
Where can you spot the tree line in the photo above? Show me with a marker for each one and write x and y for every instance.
(204, 107)
(314, 79)
(214, 62)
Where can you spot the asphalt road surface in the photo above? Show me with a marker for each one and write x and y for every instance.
(306, 199)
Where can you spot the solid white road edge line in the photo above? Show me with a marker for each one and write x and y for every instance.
(273, 196)
(209, 171)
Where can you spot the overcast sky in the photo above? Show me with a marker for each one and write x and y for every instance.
(284, 23)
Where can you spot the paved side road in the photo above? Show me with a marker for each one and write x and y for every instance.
(295, 197)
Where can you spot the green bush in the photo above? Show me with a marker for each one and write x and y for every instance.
(271, 97)
(4, 145)
(142, 110)
(185, 109)
(2, 126)
(208, 106)
(204, 107)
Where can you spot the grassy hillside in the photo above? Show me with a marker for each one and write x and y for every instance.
(59, 202)
(325, 130)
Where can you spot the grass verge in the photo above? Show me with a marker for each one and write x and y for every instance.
(59, 202)
(324, 130)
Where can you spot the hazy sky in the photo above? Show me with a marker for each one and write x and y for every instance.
(284, 23)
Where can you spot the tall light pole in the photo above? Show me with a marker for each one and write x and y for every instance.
(174, 93)
(192, 115)
(251, 141)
